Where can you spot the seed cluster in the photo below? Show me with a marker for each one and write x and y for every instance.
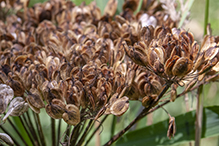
(79, 64)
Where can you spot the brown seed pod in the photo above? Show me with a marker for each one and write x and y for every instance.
(34, 99)
(182, 67)
(173, 92)
(172, 128)
(55, 109)
(17, 87)
(110, 8)
(169, 64)
(120, 106)
(71, 115)
(136, 54)
(148, 100)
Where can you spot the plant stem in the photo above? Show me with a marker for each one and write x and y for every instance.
(113, 126)
(90, 124)
(206, 16)
(59, 131)
(33, 132)
(17, 132)
(140, 116)
(74, 135)
(53, 132)
(96, 129)
(25, 128)
(39, 127)
(199, 115)
(14, 140)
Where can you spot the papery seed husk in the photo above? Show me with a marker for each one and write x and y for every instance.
(16, 107)
(182, 66)
(55, 109)
(7, 139)
(6, 95)
(172, 128)
(120, 106)
(72, 115)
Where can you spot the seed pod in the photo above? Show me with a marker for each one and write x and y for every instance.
(172, 128)
(34, 100)
(169, 64)
(71, 115)
(17, 87)
(7, 139)
(182, 67)
(173, 93)
(16, 108)
(138, 56)
(6, 95)
(120, 106)
(55, 109)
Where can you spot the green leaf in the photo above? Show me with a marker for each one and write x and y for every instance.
(156, 134)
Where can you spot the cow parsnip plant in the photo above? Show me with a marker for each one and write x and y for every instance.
(67, 67)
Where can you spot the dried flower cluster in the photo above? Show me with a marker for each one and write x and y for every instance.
(78, 64)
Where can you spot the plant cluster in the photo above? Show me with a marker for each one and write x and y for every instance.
(80, 65)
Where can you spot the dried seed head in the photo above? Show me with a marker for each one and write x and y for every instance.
(71, 115)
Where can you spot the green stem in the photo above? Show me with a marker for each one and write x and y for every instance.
(199, 115)
(39, 128)
(96, 129)
(14, 140)
(17, 131)
(113, 126)
(53, 132)
(27, 131)
(206, 16)
(85, 133)
(74, 135)
(59, 131)
(30, 125)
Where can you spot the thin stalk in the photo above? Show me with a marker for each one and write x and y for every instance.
(33, 132)
(17, 131)
(53, 132)
(68, 129)
(140, 116)
(96, 129)
(39, 127)
(14, 140)
(97, 137)
(74, 135)
(113, 126)
(199, 115)
(206, 16)
(25, 128)
(59, 131)
(85, 133)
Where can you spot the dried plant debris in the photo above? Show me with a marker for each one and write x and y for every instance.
(79, 64)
